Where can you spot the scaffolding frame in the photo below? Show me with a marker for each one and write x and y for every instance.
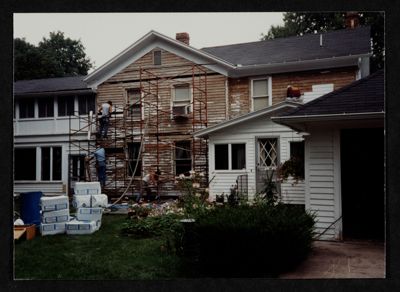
(151, 130)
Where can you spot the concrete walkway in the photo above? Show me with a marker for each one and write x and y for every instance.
(342, 260)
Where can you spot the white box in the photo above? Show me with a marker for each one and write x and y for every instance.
(87, 188)
(54, 203)
(55, 216)
(89, 214)
(80, 227)
(52, 228)
(80, 201)
(98, 224)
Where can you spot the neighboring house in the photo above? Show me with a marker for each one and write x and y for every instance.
(344, 158)
(45, 112)
(165, 90)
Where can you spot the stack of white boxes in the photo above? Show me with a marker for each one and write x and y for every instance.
(55, 214)
(89, 203)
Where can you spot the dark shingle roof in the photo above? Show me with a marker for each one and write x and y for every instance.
(337, 43)
(50, 85)
(363, 96)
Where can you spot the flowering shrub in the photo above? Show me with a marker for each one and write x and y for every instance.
(193, 197)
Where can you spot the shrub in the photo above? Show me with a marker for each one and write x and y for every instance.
(260, 240)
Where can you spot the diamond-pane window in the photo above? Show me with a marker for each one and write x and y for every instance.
(267, 156)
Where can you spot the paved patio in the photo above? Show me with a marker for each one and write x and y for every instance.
(342, 260)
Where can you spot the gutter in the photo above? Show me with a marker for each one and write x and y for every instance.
(328, 117)
(57, 92)
(299, 65)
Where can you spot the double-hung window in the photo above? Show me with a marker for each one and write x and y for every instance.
(157, 57)
(183, 157)
(230, 156)
(134, 103)
(182, 95)
(51, 163)
(135, 161)
(261, 93)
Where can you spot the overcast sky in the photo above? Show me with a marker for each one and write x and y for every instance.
(104, 35)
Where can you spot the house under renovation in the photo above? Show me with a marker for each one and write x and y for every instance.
(178, 108)
(163, 90)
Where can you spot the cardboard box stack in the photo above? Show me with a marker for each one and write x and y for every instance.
(89, 203)
(54, 214)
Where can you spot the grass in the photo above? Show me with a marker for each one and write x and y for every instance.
(106, 254)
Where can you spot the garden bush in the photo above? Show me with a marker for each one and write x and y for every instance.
(252, 241)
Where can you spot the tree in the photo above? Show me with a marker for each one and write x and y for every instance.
(296, 23)
(56, 56)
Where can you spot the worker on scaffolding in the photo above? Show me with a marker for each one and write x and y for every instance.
(105, 111)
(100, 156)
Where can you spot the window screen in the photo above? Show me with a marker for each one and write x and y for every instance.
(65, 106)
(221, 156)
(86, 104)
(260, 94)
(57, 162)
(46, 107)
(297, 152)
(26, 108)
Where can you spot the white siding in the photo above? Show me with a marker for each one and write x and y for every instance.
(247, 133)
(321, 180)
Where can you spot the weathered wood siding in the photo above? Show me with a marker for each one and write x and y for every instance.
(157, 83)
(311, 83)
(247, 133)
(305, 80)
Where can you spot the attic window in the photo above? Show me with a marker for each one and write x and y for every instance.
(157, 57)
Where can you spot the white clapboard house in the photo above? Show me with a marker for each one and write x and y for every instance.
(45, 111)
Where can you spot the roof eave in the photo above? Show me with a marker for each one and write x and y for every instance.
(139, 47)
(54, 92)
(300, 65)
(229, 123)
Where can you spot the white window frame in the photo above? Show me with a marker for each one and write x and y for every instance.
(190, 101)
(141, 97)
(230, 156)
(269, 82)
(154, 52)
(38, 163)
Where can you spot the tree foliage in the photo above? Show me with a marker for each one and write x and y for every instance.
(56, 56)
(299, 23)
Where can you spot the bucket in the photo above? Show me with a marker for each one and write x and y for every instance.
(30, 207)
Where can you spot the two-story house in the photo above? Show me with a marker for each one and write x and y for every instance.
(167, 90)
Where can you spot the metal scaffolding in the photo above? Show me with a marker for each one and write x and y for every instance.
(156, 129)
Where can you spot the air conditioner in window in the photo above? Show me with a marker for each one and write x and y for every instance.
(180, 111)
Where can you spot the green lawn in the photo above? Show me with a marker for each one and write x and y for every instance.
(106, 254)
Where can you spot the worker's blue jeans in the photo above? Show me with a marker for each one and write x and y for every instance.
(101, 173)
(104, 122)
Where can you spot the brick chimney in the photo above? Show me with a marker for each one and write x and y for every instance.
(352, 19)
(183, 37)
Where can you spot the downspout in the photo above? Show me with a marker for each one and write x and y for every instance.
(226, 98)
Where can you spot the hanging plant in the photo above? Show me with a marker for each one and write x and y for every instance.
(293, 167)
